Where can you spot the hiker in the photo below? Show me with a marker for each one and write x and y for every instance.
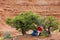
(38, 29)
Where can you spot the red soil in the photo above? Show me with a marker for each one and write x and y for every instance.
(10, 8)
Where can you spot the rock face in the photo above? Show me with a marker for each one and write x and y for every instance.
(10, 8)
(43, 7)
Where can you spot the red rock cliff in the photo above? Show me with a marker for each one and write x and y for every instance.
(10, 8)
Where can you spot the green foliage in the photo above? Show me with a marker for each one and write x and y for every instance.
(44, 34)
(6, 35)
(25, 20)
(9, 21)
(50, 21)
(55, 25)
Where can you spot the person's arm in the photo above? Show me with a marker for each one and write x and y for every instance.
(35, 25)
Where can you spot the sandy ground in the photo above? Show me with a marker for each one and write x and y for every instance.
(55, 36)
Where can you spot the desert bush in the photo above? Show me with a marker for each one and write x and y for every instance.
(6, 35)
(50, 22)
(24, 21)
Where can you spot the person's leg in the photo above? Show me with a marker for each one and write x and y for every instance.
(38, 33)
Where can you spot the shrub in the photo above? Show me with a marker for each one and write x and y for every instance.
(44, 34)
(24, 21)
(6, 35)
(50, 22)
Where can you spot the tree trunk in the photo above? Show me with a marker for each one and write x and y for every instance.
(49, 30)
(23, 31)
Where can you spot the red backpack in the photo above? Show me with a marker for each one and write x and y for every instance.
(39, 29)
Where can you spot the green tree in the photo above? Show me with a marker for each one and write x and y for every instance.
(50, 22)
(24, 21)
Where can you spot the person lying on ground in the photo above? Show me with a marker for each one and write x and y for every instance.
(38, 28)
